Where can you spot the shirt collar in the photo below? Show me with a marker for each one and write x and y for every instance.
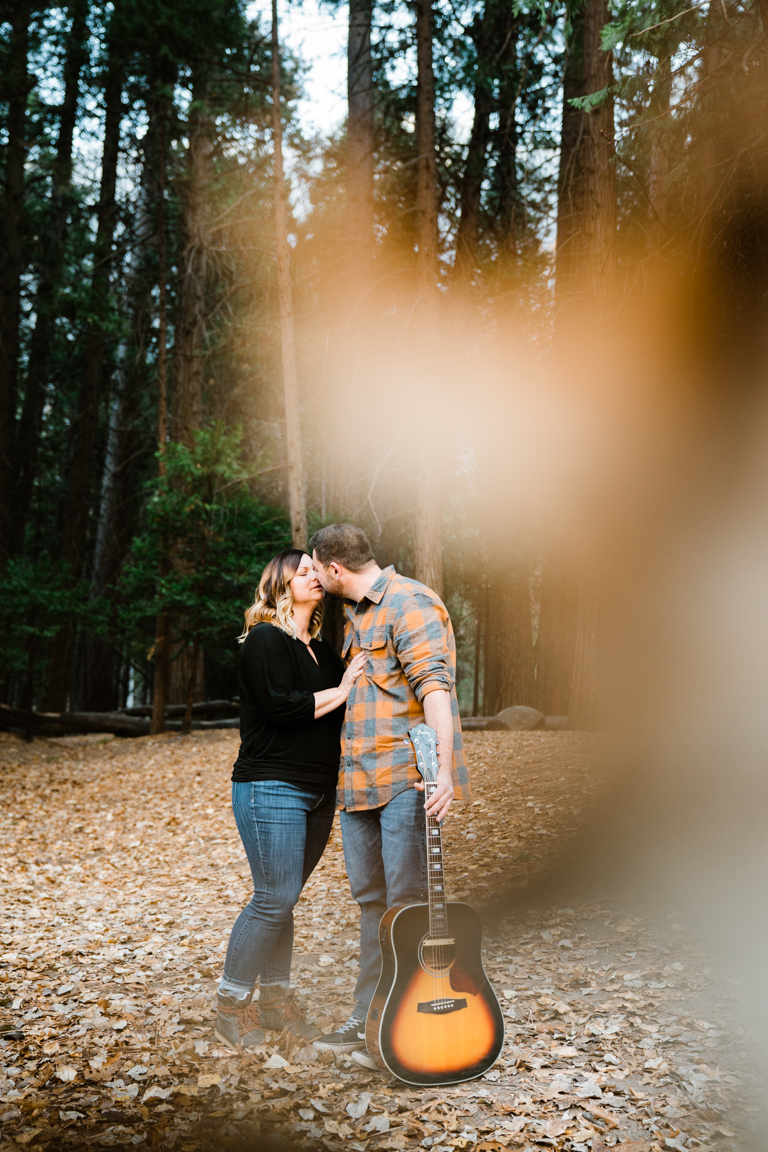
(379, 586)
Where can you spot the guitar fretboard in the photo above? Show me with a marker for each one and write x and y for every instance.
(425, 746)
(438, 920)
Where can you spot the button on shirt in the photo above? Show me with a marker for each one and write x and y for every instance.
(406, 631)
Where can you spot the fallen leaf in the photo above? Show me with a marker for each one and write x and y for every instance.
(377, 1123)
(596, 1110)
(360, 1106)
(276, 1061)
(67, 1073)
(156, 1093)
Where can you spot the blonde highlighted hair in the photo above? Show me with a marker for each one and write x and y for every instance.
(273, 602)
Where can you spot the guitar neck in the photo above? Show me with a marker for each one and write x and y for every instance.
(438, 918)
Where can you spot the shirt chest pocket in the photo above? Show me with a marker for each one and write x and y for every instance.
(373, 641)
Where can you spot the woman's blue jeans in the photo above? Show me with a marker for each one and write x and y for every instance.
(284, 830)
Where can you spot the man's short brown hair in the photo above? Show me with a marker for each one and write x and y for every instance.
(343, 544)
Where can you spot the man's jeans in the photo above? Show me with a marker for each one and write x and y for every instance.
(284, 830)
(386, 858)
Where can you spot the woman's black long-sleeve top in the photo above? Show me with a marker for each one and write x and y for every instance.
(279, 736)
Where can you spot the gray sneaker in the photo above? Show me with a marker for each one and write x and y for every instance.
(237, 1022)
(345, 1039)
(360, 1056)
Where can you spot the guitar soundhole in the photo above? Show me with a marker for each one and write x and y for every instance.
(436, 959)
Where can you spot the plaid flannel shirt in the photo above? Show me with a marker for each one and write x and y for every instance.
(406, 630)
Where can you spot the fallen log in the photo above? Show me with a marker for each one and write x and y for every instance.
(201, 708)
(202, 725)
(31, 723)
(482, 724)
(64, 723)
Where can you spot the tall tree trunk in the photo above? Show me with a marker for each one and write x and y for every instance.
(507, 141)
(296, 499)
(468, 231)
(586, 197)
(555, 643)
(41, 343)
(428, 553)
(189, 342)
(163, 630)
(585, 266)
(426, 165)
(118, 504)
(659, 166)
(710, 145)
(185, 668)
(15, 85)
(360, 144)
(78, 501)
(508, 658)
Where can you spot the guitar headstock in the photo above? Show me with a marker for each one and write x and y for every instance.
(424, 740)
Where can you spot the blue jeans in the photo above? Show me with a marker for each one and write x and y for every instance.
(386, 857)
(284, 830)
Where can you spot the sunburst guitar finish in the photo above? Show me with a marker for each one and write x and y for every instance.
(434, 1018)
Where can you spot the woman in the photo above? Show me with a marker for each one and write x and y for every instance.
(293, 688)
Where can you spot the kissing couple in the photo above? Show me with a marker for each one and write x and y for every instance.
(317, 732)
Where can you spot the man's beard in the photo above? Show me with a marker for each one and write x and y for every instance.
(333, 587)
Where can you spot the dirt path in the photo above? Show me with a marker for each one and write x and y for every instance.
(123, 872)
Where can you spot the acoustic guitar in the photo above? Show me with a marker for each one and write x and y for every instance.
(434, 1018)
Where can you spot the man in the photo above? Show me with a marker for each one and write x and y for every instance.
(409, 678)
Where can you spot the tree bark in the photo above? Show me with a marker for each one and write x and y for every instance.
(426, 165)
(16, 84)
(78, 501)
(162, 632)
(586, 197)
(360, 145)
(428, 554)
(41, 343)
(508, 659)
(296, 499)
(184, 668)
(189, 342)
(468, 231)
(556, 640)
(585, 261)
(507, 140)
(99, 686)
(659, 166)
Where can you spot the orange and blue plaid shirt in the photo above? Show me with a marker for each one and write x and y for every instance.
(406, 630)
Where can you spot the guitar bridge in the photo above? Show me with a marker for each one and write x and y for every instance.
(441, 1007)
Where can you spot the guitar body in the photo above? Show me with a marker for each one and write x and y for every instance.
(434, 1018)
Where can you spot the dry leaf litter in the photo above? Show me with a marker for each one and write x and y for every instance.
(123, 872)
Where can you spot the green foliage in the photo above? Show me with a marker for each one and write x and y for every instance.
(36, 598)
(592, 100)
(205, 543)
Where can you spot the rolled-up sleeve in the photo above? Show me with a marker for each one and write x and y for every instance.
(420, 635)
(271, 676)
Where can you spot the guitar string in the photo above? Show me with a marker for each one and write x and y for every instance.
(428, 790)
(434, 866)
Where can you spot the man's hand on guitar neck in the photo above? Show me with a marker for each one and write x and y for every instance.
(437, 714)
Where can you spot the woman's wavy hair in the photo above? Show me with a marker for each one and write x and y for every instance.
(273, 602)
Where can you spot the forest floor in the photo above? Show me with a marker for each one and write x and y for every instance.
(123, 872)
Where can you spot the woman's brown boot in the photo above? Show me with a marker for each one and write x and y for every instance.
(279, 1009)
(237, 1022)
